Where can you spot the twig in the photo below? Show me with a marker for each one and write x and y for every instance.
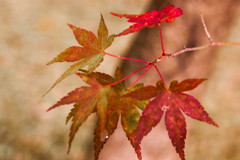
(203, 47)
(206, 30)
(165, 55)
(211, 44)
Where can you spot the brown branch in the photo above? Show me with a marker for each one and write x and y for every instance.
(211, 44)
(206, 30)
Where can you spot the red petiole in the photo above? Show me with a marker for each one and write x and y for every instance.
(127, 76)
(130, 59)
(149, 67)
(160, 30)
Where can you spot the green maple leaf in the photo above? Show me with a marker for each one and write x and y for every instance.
(90, 53)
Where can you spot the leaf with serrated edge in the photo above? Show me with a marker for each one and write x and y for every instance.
(95, 62)
(130, 117)
(192, 108)
(82, 113)
(102, 33)
(101, 123)
(108, 101)
(143, 93)
(73, 111)
(102, 108)
(75, 96)
(119, 105)
(171, 101)
(185, 85)
(102, 78)
(85, 38)
(112, 112)
(176, 127)
(73, 54)
(149, 119)
(150, 19)
(109, 41)
(87, 99)
(90, 54)
(74, 68)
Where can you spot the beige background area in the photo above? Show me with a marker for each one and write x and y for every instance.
(32, 32)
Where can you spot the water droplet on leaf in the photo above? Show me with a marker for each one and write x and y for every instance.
(104, 136)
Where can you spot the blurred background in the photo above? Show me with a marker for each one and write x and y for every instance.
(32, 32)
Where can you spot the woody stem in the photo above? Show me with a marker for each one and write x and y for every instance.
(205, 46)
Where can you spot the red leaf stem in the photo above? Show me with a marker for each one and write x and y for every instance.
(130, 59)
(160, 76)
(149, 67)
(160, 30)
(127, 76)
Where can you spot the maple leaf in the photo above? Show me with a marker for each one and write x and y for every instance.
(90, 54)
(108, 102)
(150, 19)
(87, 99)
(171, 101)
(118, 105)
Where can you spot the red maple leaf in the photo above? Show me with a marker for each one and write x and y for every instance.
(150, 19)
(173, 102)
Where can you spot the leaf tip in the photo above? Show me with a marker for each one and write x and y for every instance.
(114, 14)
(138, 151)
(71, 26)
(49, 109)
(214, 123)
(46, 93)
(50, 62)
(101, 15)
(49, 89)
(69, 148)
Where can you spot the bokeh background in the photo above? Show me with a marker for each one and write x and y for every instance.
(32, 32)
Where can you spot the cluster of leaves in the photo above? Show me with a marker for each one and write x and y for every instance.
(110, 98)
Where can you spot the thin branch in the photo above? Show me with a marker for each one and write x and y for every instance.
(130, 59)
(206, 30)
(226, 43)
(190, 50)
(164, 55)
(127, 76)
(203, 47)
(211, 44)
